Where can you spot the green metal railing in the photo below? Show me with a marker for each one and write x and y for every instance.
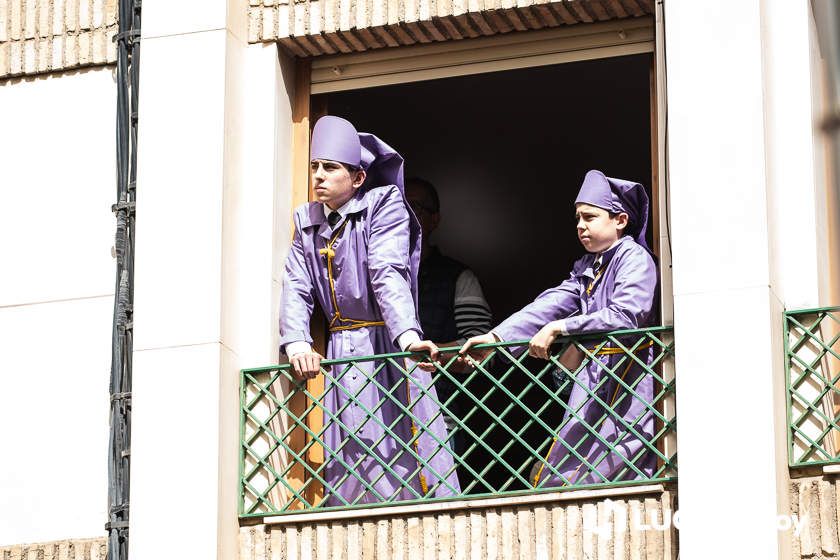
(812, 371)
(504, 414)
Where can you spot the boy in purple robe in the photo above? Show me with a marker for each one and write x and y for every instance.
(356, 251)
(612, 287)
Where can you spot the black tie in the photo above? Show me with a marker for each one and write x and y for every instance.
(333, 218)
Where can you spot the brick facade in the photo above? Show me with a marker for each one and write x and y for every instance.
(814, 501)
(77, 549)
(43, 36)
(621, 528)
(316, 27)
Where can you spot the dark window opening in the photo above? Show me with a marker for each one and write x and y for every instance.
(507, 152)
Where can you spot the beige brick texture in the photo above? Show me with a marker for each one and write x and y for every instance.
(623, 528)
(47, 36)
(78, 33)
(318, 27)
(75, 549)
(815, 504)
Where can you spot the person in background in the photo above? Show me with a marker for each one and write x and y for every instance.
(452, 305)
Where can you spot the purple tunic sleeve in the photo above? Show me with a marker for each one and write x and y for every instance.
(388, 263)
(297, 299)
(631, 299)
(552, 304)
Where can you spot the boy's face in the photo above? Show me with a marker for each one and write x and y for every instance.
(333, 183)
(596, 230)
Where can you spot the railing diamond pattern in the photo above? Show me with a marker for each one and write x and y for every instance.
(504, 417)
(812, 350)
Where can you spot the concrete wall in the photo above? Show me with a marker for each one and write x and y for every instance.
(749, 228)
(595, 529)
(40, 36)
(214, 146)
(742, 213)
(795, 167)
(57, 186)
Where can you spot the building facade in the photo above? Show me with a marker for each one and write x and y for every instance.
(713, 106)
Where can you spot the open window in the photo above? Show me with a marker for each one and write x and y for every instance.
(505, 131)
(507, 152)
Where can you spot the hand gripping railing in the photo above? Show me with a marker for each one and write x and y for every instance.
(812, 368)
(599, 413)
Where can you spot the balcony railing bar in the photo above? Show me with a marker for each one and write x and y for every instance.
(263, 413)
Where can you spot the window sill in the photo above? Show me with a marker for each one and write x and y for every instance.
(460, 505)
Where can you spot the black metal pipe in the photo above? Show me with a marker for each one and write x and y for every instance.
(119, 448)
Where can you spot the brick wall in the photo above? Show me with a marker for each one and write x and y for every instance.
(315, 27)
(569, 529)
(78, 549)
(42, 36)
(814, 501)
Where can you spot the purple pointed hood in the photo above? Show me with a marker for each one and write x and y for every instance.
(336, 139)
(615, 196)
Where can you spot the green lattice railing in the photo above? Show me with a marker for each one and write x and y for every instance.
(812, 352)
(504, 415)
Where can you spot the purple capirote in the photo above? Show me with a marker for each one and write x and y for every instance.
(336, 139)
(377, 255)
(615, 196)
(621, 298)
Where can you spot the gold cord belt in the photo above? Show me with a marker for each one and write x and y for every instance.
(358, 324)
(339, 323)
(608, 350)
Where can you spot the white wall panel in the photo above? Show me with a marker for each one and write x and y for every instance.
(56, 189)
(54, 368)
(57, 183)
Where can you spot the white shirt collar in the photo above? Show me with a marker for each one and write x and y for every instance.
(600, 256)
(341, 210)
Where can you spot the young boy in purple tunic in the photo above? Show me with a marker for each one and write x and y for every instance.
(356, 252)
(612, 287)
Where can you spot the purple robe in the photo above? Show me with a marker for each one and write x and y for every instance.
(375, 273)
(623, 298)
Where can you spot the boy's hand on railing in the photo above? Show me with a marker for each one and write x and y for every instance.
(306, 365)
(477, 354)
(428, 347)
(542, 341)
(452, 361)
(458, 365)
